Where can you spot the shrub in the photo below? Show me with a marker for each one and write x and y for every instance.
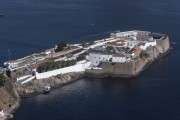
(60, 47)
(83, 43)
(143, 54)
(2, 79)
(91, 43)
(48, 66)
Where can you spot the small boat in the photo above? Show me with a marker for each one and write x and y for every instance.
(10, 116)
(47, 89)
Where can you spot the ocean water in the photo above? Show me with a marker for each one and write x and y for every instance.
(35, 25)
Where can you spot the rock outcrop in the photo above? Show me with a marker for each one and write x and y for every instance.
(35, 87)
(9, 98)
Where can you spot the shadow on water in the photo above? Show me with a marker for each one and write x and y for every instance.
(116, 86)
(125, 82)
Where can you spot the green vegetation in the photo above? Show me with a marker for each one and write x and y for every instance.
(128, 48)
(111, 49)
(91, 43)
(81, 57)
(83, 43)
(69, 48)
(86, 44)
(2, 79)
(143, 54)
(48, 66)
(60, 47)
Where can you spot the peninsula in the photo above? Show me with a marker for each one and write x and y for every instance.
(123, 54)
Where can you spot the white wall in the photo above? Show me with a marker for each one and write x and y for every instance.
(74, 68)
(29, 79)
(97, 58)
(148, 44)
(23, 77)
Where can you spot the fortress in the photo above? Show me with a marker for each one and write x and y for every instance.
(127, 54)
(123, 54)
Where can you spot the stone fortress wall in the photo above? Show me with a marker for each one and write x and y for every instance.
(131, 68)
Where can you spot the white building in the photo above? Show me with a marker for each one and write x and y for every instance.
(119, 58)
(131, 43)
(11, 64)
(97, 58)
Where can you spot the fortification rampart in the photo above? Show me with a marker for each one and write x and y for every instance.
(131, 68)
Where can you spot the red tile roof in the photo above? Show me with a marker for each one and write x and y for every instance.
(51, 49)
(118, 55)
(117, 43)
(12, 61)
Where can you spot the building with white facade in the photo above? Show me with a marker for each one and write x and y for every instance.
(11, 64)
(119, 58)
(97, 58)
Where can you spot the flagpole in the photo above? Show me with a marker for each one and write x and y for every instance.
(9, 54)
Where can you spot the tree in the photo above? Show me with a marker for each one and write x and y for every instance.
(91, 43)
(143, 54)
(60, 46)
(83, 43)
(127, 48)
(48, 66)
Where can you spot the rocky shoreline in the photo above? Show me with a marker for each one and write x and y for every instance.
(9, 99)
(35, 87)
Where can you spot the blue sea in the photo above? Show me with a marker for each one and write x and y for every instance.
(35, 25)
